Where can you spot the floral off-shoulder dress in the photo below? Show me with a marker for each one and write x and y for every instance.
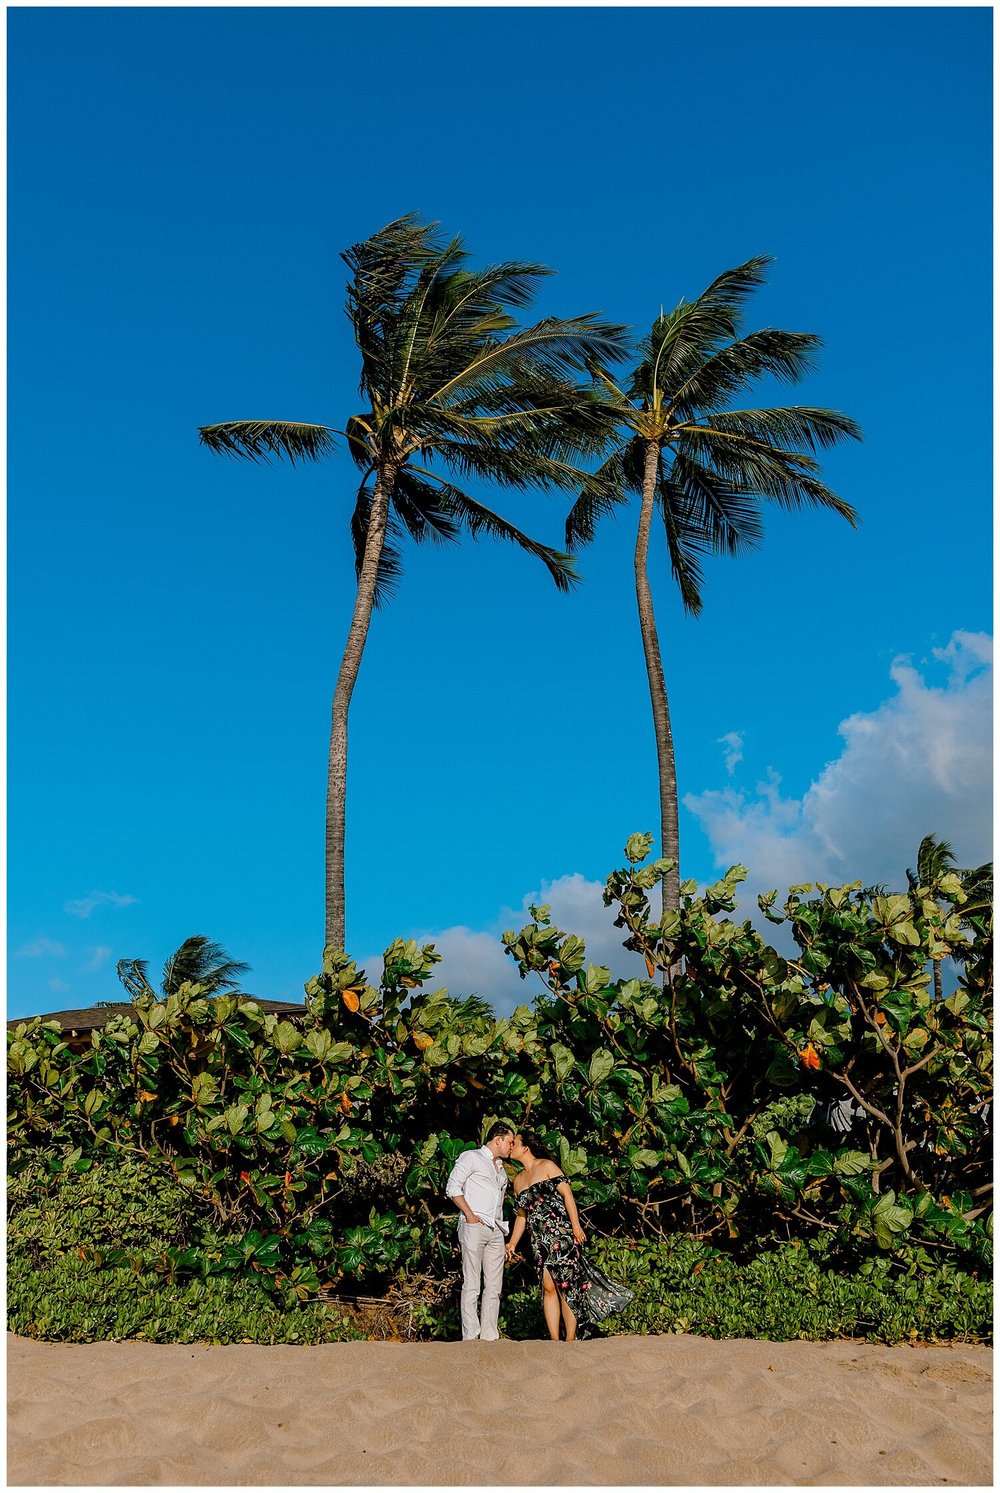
(590, 1294)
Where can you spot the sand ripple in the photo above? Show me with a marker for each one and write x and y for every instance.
(667, 1411)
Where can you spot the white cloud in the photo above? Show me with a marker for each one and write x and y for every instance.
(966, 652)
(733, 742)
(59, 986)
(82, 907)
(474, 962)
(918, 764)
(41, 948)
(98, 957)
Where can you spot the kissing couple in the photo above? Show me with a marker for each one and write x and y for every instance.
(574, 1292)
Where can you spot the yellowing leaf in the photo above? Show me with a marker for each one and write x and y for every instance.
(351, 999)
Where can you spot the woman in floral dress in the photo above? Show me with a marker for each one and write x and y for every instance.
(572, 1287)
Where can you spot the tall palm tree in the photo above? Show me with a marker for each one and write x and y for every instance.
(454, 388)
(198, 961)
(703, 466)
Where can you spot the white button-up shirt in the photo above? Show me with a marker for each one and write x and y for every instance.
(482, 1181)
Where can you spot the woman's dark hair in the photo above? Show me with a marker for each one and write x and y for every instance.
(536, 1145)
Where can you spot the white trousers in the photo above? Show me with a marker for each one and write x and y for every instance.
(482, 1269)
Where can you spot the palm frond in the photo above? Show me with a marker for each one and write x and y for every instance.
(200, 961)
(729, 290)
(362, 444)
(695, 329)
(702, 383)
(724, 516)
(404, 348)
(473, 304)
(603, 493)
(685, 543)
(557, 347)
(383, 270)
(509, 465)
(448, 316)
(934, 858)
(420, 510)
(133, 975)
(480, 520)
(542, 437)
(977, 884)
(259, 440)
(787, 478)
(978, 881)
(382, 264)
(791, 425)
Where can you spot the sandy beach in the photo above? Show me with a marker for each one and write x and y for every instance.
(670, 1411)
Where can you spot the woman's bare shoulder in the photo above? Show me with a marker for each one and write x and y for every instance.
(549, 1169)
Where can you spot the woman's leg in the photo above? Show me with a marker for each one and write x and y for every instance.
(568, 1318)
(550, 1305)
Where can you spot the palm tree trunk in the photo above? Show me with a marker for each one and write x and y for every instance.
(669, 829)
(336, 786)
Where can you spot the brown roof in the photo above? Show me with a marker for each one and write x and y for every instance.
(97, 1016)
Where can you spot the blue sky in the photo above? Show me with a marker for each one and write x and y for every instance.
(181, 182)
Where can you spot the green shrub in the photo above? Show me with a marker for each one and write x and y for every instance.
(695, 1102)
(785, 1293)
(122, 1202)
(682, 1286)
(80, 1301)
(67, 1232)
(95, 1256)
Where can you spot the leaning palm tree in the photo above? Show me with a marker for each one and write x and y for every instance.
(198, 961)
(455, 388)
(935, 859)
(704, 467)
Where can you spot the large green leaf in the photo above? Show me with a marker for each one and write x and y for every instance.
(287, 1037)
(601, 1064)
(645, 1158)
(204, 1089)
(563, 1060)
(851, 1163)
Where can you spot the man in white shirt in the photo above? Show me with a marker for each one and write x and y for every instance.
(476, 1186)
